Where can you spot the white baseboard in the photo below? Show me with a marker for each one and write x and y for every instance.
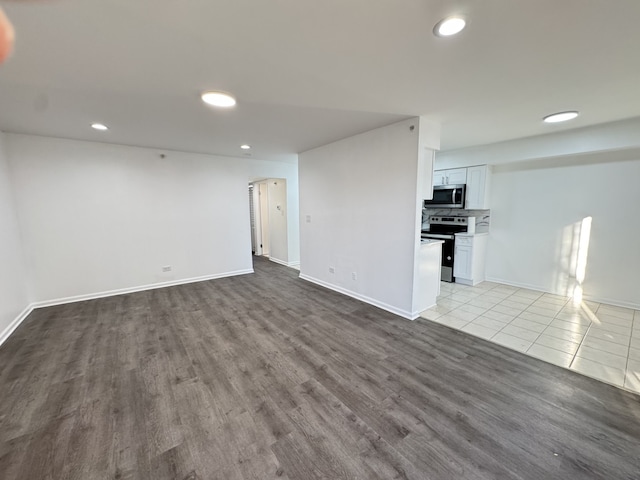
(415, 314)
(15, 324)
(286, 264)
(590, 298)
(277, 260)
(608, 301)
(123, 291)
(362, 298)
(537, 288)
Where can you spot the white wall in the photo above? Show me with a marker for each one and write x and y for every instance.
(265, 231)
(97, 217)
(14, 296)
(361, 196)
(279, 250)
(534, 238)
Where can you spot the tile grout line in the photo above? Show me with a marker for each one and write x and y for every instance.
(539, 334)
(582, 340)
(628, 346)
(500, 330)
(584, 336)
(467, 303)
(555, 317)
(626, 368)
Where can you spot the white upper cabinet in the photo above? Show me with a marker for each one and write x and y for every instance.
(439, 177)
(454, 176)
(478, 180)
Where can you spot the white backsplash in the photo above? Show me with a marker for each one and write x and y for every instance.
(483, 217)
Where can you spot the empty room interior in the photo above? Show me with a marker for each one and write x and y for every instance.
(319, 240)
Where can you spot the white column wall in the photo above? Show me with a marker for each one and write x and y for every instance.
(358, 215)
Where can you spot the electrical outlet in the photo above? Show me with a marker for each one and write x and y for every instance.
(166, 268)
(354, 276)
(332, 269)
(308, 218)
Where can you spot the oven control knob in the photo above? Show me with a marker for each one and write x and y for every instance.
(448, 257)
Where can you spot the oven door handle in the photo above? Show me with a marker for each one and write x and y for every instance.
(438, 236)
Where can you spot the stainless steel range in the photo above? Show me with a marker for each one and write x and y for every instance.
(445, 228)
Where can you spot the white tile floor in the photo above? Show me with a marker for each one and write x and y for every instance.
(598, 340)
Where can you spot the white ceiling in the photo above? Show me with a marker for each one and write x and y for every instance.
(307, 72)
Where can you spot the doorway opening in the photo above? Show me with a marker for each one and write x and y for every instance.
(268, 208)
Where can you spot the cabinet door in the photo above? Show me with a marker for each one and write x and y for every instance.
(476, 187)
(439, 177)
(456, 176)
(462, 262)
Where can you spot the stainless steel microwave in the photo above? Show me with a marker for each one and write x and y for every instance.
(447, 196)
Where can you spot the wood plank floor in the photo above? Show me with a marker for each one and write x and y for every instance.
(266, 376)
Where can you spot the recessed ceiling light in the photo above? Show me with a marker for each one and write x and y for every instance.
(99, 126)
(218, 99)
(449, 26)
(245, 147)
(560, 117)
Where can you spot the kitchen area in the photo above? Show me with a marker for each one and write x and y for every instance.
(454, 231)
(458, 215)
(558, 322)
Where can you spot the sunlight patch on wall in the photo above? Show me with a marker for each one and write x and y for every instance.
(581, 258)
(572, 259)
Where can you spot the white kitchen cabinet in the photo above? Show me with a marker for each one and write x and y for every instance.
(457, 176)
(478, 182)
(462, 262)
(469, 258)
(439, 177)
(453, 176)
(477, 179)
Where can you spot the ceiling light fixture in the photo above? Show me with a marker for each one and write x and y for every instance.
(560, 117)
(99, 126)
(245, 147)
(449, 26)
(218, 99)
